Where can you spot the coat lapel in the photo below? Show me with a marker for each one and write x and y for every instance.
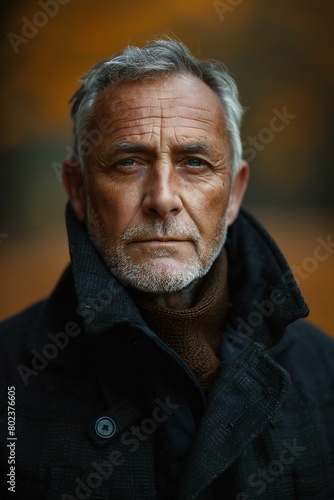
(245, 397)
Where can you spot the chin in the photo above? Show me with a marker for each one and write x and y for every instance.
(159, 277)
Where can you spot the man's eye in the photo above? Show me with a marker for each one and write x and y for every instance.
(128, 162)
(196, 163)
(127, 165)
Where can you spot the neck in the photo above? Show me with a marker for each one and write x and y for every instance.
(182, 299)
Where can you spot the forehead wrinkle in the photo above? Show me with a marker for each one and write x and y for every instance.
(165, 89)
(153, 116)
(131, 134)
(151, 110)
(151, 103)
(137, 123)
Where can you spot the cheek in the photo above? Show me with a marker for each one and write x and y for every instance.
(208, 210)
(115, 205)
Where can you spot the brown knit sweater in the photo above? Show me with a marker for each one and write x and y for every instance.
(194, 333)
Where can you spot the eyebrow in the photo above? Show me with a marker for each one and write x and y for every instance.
(129, 147)
(198, 148)
(134, 147)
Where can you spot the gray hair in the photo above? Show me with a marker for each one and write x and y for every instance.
(157, 59)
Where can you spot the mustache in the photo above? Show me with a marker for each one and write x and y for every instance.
(160, 229)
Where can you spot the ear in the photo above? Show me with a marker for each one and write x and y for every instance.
(73, 182)
(238, 190)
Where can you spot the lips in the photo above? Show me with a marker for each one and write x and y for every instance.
(161, 240)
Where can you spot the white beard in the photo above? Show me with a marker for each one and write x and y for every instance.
(156, 275)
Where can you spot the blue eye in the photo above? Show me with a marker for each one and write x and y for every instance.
(195, 162)
(128, 166)
(128, 162)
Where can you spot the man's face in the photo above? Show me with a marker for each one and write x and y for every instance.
(156, 189)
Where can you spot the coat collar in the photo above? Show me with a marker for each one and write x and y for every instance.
(265, 297)
(102, 300)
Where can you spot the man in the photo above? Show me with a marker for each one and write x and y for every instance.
(170, 361)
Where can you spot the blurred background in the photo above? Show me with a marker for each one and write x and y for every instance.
(282, 56)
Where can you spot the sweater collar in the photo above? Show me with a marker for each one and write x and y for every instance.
(195, 333)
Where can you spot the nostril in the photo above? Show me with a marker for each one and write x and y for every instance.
(161, 206)
(152, 210)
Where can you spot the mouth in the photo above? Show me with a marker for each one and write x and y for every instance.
(163, 238)
(160, 240)
(163, 242)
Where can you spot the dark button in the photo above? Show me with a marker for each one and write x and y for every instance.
(105, 427)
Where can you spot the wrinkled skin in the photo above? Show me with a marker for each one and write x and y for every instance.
(157, 193)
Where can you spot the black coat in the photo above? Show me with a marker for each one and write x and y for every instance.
(105, 410)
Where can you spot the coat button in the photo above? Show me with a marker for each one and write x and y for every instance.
(105, 427)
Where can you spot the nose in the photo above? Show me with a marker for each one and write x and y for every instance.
(162, 191)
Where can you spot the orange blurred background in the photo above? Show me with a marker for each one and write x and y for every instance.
(281, 54)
